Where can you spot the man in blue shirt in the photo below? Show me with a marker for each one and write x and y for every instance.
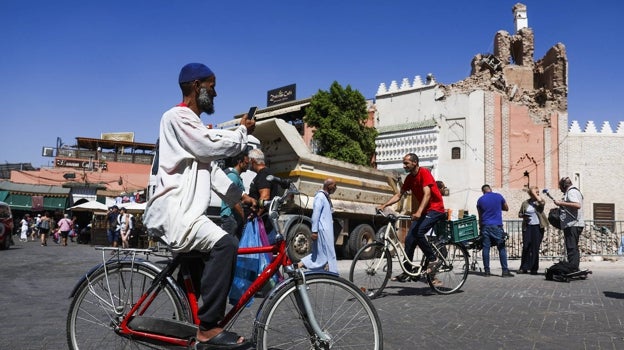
(490, 207)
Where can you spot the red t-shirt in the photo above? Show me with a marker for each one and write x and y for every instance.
(416, 183)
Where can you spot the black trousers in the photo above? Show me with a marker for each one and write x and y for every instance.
(416, 235)
(232, 225)
(571, 238)
(532, 238)
(212, 279)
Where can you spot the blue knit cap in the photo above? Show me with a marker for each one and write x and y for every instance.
(194, 71)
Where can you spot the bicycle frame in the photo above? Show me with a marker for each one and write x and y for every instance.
(125, 329)
(280, 259)
(390, 238)
(179, 333)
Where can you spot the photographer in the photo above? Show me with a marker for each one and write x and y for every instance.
(571, 219)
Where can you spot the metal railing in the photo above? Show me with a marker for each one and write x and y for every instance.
(604, 238)
(599, 238)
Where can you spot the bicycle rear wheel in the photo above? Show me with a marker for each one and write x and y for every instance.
(103, 300)
(342, 311)
(452, 274)
(371, 269)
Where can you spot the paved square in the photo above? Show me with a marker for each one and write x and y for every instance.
(523, 312)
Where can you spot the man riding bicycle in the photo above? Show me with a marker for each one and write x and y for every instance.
(428, 211)
(186, 172)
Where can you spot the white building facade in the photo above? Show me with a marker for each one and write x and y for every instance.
(446, 132)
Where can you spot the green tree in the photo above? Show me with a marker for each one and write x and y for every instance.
(339, 116)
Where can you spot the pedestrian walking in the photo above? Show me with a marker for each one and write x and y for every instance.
(323, 256)
(25, 225)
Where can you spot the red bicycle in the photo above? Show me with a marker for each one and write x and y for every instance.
(129, 302)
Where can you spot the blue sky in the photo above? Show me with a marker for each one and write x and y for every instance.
(71, 68)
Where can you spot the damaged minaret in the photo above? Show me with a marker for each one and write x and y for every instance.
(520, 17)
(511, 69)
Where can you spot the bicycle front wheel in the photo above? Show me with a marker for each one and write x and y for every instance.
(452, 274)
(102, 301)
(371, 269)
(342, 311)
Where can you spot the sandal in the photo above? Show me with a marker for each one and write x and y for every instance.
(433, 266)
(404, 277)
(223, 341)
(436, 282)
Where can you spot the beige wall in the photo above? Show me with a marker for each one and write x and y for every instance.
(594, 163)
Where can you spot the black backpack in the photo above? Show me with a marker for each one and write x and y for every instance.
(561, 272)
(554, 218)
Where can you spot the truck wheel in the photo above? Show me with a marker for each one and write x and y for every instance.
(345, 251)
(360, 236)
(299, 242)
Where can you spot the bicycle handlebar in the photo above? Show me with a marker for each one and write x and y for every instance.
(285, 183)
(392, 216)
(275, 204)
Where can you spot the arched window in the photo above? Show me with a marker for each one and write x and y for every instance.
(455, 153)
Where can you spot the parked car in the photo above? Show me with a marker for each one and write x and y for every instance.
(6, 226)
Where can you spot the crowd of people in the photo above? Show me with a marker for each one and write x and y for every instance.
(429, 209)
(534, 224)
(57, 227)
(122, 228)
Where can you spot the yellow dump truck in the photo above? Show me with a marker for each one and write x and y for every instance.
(360, 189)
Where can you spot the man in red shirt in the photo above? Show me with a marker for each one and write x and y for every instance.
(429, 211)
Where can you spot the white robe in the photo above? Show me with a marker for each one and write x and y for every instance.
(323, 251)
(186, 174)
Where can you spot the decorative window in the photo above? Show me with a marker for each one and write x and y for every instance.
(455, 153)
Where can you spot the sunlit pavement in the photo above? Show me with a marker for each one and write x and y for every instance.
(523, 312)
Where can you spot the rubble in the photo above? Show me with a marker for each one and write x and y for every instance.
(540, 85)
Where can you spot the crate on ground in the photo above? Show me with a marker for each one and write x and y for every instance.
(461, 230)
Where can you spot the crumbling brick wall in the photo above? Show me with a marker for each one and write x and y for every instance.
(515, 49)
(542, 85)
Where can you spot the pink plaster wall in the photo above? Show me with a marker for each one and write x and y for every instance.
(526, 148)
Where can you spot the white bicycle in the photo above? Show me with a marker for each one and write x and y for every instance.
(371, 268)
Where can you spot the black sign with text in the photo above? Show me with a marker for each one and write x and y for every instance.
(280, 95)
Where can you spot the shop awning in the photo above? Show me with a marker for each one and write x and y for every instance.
(54, 203)
(20, 196)
(19, 202)
(24, 202)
